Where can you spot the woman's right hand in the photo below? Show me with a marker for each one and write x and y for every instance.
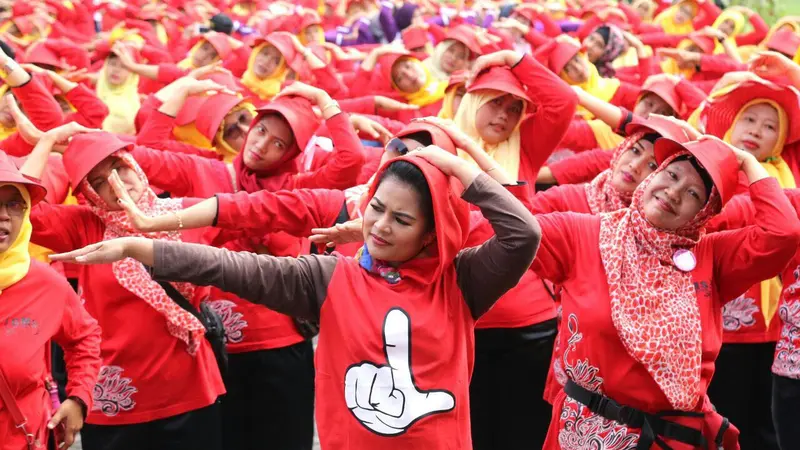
(103, 252)
(341, 233)
(773, 64)
(501, 58)
(459, 138)
(138, 219)
(62, 134)
(316, 96)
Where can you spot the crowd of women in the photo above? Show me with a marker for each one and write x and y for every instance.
(561, 225)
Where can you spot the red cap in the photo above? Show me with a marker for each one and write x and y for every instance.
(219, 41)
(719, 114)
(784, 41)
(298, 112)
(714, 156)
(215, 108)
(85, 151)
(556, 54)
(388, 61)
(665, 89)
(415, 37)
(466, 35)
(439, 137)
(309, 19)
(9, 173)
(283, 41)
(40, 53)
(500, 79)
(660, 126)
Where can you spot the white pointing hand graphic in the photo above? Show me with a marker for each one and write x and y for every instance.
(384, 398)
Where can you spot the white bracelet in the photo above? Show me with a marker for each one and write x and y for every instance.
(332, 104)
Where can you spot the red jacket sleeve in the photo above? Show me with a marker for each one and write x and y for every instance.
(79, 336)
(327, 81)
(90, 111)
(660, 39)
(360, 105)
(39, 105)
(63, 228)
(748, 255)
(342, 168)
(550, 201)
(295, 212)
(707, 14)
(579, 136)
(167, 73)
(555, 104)
(691, 96)
(156, 133)
(558, 248)
(626, 95)
(720, 64)
(757, 34)
(581, 168)
(184, 175)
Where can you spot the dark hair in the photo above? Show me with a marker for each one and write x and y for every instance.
(222, 24)
(651, 137)
(8, 50)
(604, 32)
(423, 137)
(708, 183)
(411, 175)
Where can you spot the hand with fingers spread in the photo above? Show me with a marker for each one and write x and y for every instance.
(384, 397)
(341, 233)
(392, 105)
(773, 64)
(202, 72)
(682, 57)
(62, 134)
(691, 132)
(513, 24)
(365, 126)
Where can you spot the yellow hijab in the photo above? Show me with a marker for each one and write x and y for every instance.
(778, 169)
(447, 111)
(16, 261)
(506, 153)
(223, 148)
(602, 88)
(123, 102)
(431, 92)
(651, 5)
(739, 22)
(265, 88)
(666, 19)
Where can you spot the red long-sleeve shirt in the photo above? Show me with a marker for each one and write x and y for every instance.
(90, 111)
(40, 107)
(37, 309)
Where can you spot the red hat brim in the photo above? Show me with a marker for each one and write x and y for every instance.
(500, 79)
(439, 137)
(85, 151)
(9, 173)
(658, 125)
(665, 90)
(714, 156)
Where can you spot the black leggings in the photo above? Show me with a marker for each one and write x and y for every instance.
(786, 411)
(507, 408)
(270, 399)
(741, 390)
(198, 429)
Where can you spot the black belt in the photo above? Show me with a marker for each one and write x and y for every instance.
(653, 426)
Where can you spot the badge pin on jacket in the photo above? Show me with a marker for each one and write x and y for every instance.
(383, 397)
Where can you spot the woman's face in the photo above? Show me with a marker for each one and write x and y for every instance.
(643, 9)
(6, 119)
(204, 55)
(267, 61)
(12, 212)
(235, 127)
(456, 57)
(674, 196)
(497, 119)
(314, 33)
(633, 166)
(684, 13)
(727, 26)
(63, 104)
(98, 180)
(116, 73)
(595, 46)
(408, 76)
(757, 130)
(577, 69)
(395, 229)
(461, 91)
(269, 139)
(651, 103)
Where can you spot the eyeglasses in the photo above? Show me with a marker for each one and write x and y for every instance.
(396, 145)
(14, 208)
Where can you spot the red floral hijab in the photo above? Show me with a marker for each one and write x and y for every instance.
(601, 194)
(132, 275)
(651, 297)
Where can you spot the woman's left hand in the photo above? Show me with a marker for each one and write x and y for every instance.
(70, 414)
(369, 127)
(501, 58)
(139, 221)
(460, 139)
(742, 156)
(313, 94)
(447, 162)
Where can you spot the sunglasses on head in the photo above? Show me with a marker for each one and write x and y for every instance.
(396, 145)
